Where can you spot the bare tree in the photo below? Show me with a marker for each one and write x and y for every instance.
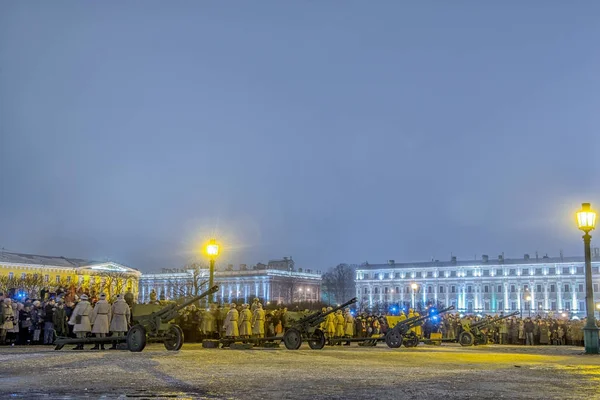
(339, 282)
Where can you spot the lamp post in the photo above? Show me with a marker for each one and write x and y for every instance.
(586, 221)
(528, 298)
(212, 250)
(414, 287)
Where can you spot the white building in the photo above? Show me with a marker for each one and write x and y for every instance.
(484, 286)
(276, 282)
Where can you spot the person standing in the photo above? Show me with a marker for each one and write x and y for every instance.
(49, 322)
(245, 321)
(100, 319)
(60, 319)
(258, 322)
(121, 314)
(6, 323)
(528, 327)
(80, 319)
(231, 322)
(340, 323)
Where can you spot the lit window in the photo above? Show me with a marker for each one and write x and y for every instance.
(57, 278)
(11, 275)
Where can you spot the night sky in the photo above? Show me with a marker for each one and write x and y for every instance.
(330, 131)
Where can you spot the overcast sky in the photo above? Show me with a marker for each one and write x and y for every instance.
(330, 131)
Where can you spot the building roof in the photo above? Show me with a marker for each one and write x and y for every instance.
(476, 263)
(65, 262)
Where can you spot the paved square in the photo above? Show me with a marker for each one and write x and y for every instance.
(425, 372)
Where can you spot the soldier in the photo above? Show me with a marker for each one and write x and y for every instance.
(231, 322)
(60, 320)
(330, 320)
(80, 319)
(323, 325)
(340, 324)
(121, 315)
(348, 326)
(284, 320)
(245, 321)
(100, 318)
(258, 322)
(254, 305)
(7, 321)
(209, 322)
(152, 296)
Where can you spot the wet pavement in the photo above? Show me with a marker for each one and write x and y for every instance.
(425, 372)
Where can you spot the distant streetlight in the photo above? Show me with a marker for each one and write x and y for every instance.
(528, 298)
(414, 287)
(212, 250)
(586, 221)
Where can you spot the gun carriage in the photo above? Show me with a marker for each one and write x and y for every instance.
(307, 329)
(472, 333)
(402, 333)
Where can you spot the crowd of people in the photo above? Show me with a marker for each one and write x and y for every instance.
(41, 321)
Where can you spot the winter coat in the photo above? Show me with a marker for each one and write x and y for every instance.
(245, 322)
(231, 323)
(100, 317)
(120, 316)
(16, 313)
(349, 325)
(84, 309)
(8, 317)
(340, 325)
(60, 322)
(544, 334)
(258, 322)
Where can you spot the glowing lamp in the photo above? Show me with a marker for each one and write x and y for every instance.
(586, 218)
(212, 248)
(414, 286)
(528, 298)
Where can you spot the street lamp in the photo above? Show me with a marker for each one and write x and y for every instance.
(414, 287)
(586, 221)
(528, 298)
(212, 250)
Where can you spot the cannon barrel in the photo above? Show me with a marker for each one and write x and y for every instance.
(319, 316)
(413, 320)
(491, 321)
(166, 314)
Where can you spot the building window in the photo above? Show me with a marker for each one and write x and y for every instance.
(512, 272)
(469, 289)
(566, 287)
(386, 290)
(397, 275)
(397, 289)
(23, 275)
(512, 288)
(581, 305)
(565, 270)
(513, 305)
(499, 272)
(499, 289)
(552, 271)
(581, 288)
(46, 278)
(453, 274)
(386, 276)
(538, 271)
(580, 270)
(376, 290)
(596, 288)
(57, 278)
(567, 305)
(552, 288)
(441, 289)
(525, 271)
(430, 274)
(452, 289)
(429, 289)
(11, 275)
(366, 291)
(500, 305)
(486, 289)
(539, 288)
(366, 276)
(419, 274)
(553, 306)
(486, 272)
(469, 273)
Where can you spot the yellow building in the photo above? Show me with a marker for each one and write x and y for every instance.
(26, 275)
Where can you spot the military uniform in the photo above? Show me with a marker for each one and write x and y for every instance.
(340, 324)
(81, 328)
(100, 319)
(245, 321)
(120, 317)
(258, 322)
(231, 322)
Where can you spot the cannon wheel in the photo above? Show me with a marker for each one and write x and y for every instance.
(136, 338)
(292, 339)
(317, 340)
(411, 341)
(481, 339)
(466, 339)
(174, 339)
(393, 339)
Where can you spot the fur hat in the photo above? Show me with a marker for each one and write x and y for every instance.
(232, 305)
(83, 297)
(119, 296)
(103, 296)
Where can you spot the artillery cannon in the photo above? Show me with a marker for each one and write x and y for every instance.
(306, 328)
(401, 332)
(155, 327)
(472, 334)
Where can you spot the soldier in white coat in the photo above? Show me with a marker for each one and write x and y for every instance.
(100, 319)
(245, 321)
(121, 314)
(231, 322)
(258, 322)
(80, 319)
(8, 319)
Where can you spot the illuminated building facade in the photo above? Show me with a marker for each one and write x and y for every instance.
(28, 274)
(530, 285)
(278, 282)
